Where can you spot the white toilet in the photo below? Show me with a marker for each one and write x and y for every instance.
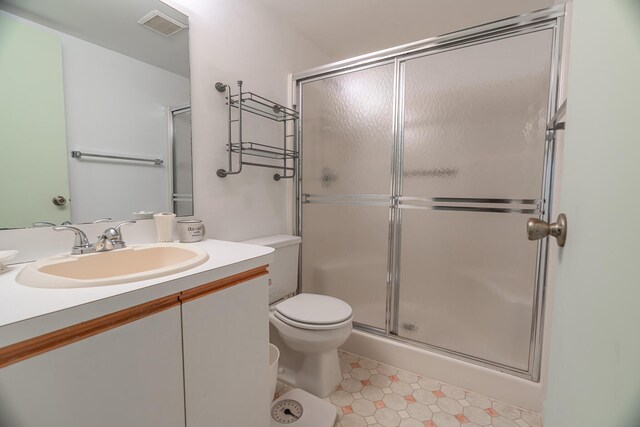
(307, 328)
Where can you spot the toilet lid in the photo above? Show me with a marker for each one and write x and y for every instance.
(315, 309)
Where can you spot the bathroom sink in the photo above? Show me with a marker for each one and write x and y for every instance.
(113, 267)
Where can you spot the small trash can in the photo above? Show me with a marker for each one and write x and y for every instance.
(274, 355)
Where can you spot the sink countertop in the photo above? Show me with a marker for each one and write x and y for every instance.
(26, 312)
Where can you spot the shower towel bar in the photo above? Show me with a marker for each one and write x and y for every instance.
(80, 154)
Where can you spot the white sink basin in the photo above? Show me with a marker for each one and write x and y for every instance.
(111, 268)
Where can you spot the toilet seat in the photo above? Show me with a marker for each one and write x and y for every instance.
(314, 312)
(311, 326)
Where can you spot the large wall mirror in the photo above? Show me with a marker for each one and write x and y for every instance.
(95, 118)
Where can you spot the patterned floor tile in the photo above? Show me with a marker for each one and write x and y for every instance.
(533, 419)
(395, 402)
(352, 420)
(449, 405)
(503, 422)
(420, 412)
(452, 392)
(341, 398)
(387, 417)
(478, 401)
(377, 395)
(477, 415)
(506, 410)
(363, 407)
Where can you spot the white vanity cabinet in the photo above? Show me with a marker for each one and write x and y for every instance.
(226, 355)
(196, 357)
(130, 375)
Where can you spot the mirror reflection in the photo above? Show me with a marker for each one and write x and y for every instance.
(95, 119)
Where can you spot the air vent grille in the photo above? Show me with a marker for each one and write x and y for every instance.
(161, 23)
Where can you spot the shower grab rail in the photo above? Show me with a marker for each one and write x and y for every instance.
(425, 199)
(534, 211)
(80, 154)
(350, 199)
(471, 200)
(473, 204)
(459, 204)
(346, 196)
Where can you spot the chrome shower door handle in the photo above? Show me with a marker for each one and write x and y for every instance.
(537, 229)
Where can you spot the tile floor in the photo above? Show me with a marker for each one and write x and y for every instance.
(374, 394)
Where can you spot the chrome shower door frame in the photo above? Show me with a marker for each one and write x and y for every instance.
(173, 197)
(548, 19)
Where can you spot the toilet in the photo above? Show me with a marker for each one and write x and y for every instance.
(307, 328)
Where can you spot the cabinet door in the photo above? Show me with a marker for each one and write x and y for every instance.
(128, 376)
(226, 357)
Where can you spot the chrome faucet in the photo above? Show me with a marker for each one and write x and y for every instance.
(111, 238)
(81, 244)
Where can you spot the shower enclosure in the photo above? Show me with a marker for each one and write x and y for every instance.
(419, 168)
(181, 179)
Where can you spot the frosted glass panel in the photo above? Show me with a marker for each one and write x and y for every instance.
(182, 164)
(467, 283)
(347, 124)
(475, 119)
(473, 125)
(344, 252)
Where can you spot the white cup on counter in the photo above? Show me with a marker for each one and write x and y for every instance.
(190, 230)
(164, 226)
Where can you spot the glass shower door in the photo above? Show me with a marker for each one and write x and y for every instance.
(473, 162)
(419, 171)
(347, 134)
(182, 182)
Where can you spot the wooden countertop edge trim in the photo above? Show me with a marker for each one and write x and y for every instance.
(50, 341)
(218, 285)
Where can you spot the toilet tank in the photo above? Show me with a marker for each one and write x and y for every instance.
(284, 269)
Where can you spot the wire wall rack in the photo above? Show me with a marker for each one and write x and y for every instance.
(283, 158)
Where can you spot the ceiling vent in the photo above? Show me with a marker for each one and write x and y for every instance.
(161, 23)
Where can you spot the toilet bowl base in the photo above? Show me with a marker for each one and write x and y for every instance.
(318, 373)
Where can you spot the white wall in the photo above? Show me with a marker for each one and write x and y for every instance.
(594, 378)
(230, 41)
(117, 105)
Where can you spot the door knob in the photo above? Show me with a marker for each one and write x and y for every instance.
(537, 229)
(59, 201)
